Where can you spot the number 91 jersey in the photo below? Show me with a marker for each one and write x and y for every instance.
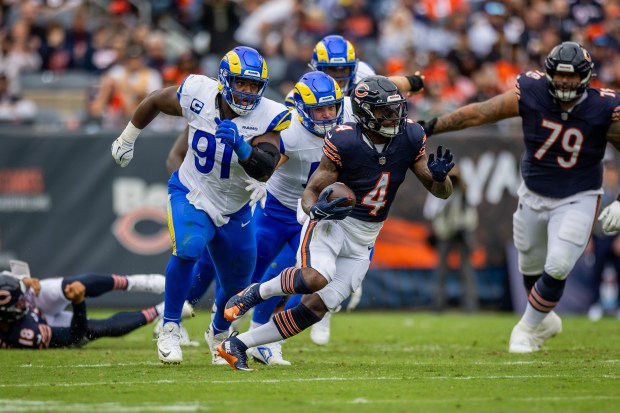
(210, 166)
(563, 150)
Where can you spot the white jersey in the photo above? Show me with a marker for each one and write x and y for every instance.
(363, 70)
(211, 169)
(304, 151)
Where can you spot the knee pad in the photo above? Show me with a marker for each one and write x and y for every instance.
(331, 298)
(559, 264)
(190, 247)
(575, 228)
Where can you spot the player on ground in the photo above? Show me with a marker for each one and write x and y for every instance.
(372, 157)
(22, 326)
(566, 126)
(234, 134)
(51, 296)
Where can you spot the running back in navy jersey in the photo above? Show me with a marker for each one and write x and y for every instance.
(564, 150)
(373, 176)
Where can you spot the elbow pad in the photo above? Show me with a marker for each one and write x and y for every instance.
(262, 161)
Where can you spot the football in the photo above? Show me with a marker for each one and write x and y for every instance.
(339, 190)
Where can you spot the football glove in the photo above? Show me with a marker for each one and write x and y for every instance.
(324, 209)
(229, 134)
(441, 166)
(610, 217)
(258, 192)
(429, 126)
(122, 151)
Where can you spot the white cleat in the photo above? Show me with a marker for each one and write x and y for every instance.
(185, 340)
(214, 340)
(550, 326)
(523, 339)
(187, 311)
(319, 333)
(168, 344)
(269, 354)
(146, 283)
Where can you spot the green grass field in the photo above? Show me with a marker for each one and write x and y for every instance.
(376, 362)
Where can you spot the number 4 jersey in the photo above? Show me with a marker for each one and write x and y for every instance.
(563, 150)
(210, 166)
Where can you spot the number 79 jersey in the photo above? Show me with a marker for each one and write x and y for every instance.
(563, 150)
(373, 176)
(210, 166)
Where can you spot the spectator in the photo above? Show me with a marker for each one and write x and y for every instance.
(14, 109)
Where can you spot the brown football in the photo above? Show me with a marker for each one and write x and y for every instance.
(340, 190)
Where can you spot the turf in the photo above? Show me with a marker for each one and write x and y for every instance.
(375, 362)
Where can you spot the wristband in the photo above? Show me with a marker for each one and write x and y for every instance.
(244, 150)
(130, 134)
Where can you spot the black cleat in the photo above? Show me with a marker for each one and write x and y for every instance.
(241, 303)
(232, 350)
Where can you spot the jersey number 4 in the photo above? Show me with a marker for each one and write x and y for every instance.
(376, 197)
(571, 141)
(205, 159)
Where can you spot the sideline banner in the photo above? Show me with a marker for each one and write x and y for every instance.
(67, 208)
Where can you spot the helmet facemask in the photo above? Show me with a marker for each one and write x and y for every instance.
(568, 57)
(13, 301)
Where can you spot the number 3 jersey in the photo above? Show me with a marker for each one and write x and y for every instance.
(563, 150)
(211, 167)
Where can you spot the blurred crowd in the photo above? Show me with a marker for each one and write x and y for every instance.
(468, 50)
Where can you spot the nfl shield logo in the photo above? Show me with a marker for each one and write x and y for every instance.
(382, 160)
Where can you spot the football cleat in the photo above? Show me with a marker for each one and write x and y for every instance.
(269, 354)
(168, 344)
(550, 326)
(231, 351)
(214, 340)
(241, 303)
(146, 283)
(320, 332)
(523, 339)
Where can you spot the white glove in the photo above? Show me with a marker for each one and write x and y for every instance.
(258, 190)
(122, 151)
(610, 217)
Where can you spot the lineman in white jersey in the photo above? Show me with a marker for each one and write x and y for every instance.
(234, 134)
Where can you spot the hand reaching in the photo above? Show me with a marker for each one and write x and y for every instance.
(122, 151)
(441, 166)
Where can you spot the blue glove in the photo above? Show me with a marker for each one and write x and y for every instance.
(441, 166)
(324, 209)
(229, 134)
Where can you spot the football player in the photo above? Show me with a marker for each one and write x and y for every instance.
(372, 157)
(566, 126)
(22, 326)
(51, 296)
(234, 134)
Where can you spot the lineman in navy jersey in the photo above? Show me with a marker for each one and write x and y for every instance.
(372, 157)
(234, 134)
(566, 126)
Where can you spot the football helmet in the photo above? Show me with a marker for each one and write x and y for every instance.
(336, 52)
(375, 100)
(13, 301)
(242, 63)
(314, 90)
(569, 57)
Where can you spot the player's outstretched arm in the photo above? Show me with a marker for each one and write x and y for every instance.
(162, 100)
(177, 152)
(433, 172)
(409, 84)
(500, 107)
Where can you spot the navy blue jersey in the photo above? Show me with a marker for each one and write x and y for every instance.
(563, 150)
(374, 177)
(30, 332)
